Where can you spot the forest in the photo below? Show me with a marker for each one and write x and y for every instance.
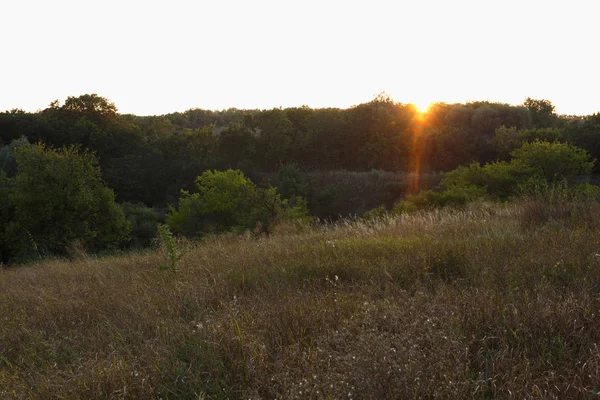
(82, 175)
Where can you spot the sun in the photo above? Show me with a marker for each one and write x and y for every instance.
(422, 106)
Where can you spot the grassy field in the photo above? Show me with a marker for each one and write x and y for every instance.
(476, 303)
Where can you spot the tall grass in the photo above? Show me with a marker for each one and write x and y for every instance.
(446, 304)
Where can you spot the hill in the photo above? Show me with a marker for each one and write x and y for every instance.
(478, 302)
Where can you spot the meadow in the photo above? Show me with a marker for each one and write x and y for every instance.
(488, 301)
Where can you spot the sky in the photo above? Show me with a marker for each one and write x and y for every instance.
(156, 57)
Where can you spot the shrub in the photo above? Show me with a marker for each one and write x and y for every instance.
(8, 161)
(144, 223)
(228, 201)
(506, 140)
(295, 209)
(452, 197)
(553, 159)
(501, 179)
(375, 214)
(557, 201)
(168, 244)
(58, 199)
(291, 182)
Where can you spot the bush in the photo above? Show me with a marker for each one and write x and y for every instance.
(291, 182)
(553, 159)
(501, 179)
(228, 201)
(58, 200)
(168, 244)
(557, 201)
(506, 140)
(8, 161)
(295, 209)
(375, 214)
(451, 197)
(144, 223)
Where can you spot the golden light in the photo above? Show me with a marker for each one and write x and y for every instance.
(422, 106)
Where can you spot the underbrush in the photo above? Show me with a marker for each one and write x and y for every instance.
(465, 303)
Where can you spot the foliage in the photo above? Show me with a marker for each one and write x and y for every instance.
(584, 132)
(8, 161)
(557, 201)
(538, 188)
(228, 201)
(506, 140)
(150, 159)
(144, 223)
(553, 159)
(501, 179)
(295, 209)
(291, 182)
(453, 196)
(542, 112)
(59, 199)
(375, 214)
(168, 244)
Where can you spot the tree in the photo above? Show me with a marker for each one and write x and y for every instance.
(542, 112)
(227, 201)
(59, 200)
(585, 133)
(554, 159)
(544, 160)
(144, 224)
(8, 161)
(90, 104)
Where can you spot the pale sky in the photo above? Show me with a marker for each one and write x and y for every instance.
(156, 57)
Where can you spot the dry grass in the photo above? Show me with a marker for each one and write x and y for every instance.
(443, 304)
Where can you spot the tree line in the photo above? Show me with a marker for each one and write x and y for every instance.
(145, 162)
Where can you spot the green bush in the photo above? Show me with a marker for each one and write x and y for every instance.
(375, 214)
(168, 244)
(536, 159)
(451, 197)
(291, 182)
(8, 161)
(144, 223)
(59, 204)
(540, 189)
(228, 201)
(506, 140)
(531, 164)
(553, 159)
(295, 209)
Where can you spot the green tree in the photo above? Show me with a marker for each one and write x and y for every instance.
(542, 112)
(144, 224)
(227, 201)
(549, 161)
(59, 200)
(8, 161)
(554, 159)
(291, 182)
(93, 107)
(506, 140)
